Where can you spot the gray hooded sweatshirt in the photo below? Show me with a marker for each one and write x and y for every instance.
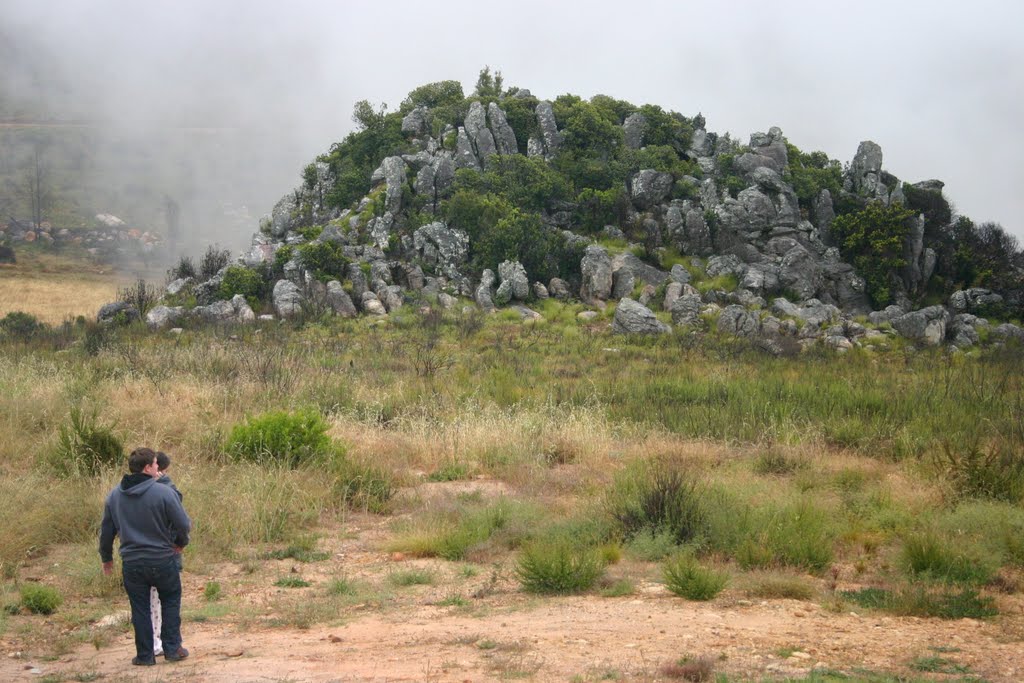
(149, 519)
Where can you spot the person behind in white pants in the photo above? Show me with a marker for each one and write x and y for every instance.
(163, 463)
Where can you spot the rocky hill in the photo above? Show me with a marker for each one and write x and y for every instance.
(505, 199)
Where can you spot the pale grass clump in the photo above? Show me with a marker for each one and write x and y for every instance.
(38, 510)
(54, 300)
(247, 504)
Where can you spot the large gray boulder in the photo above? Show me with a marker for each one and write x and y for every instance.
(961, 332)
(442, 248)
(649, 187)
(243, 312)
(415, 122)
(465, 156)
(504, 136)
(513, 274)
(394, 176)
(801, 272)
(550, 138)
(284, 215)
(111, 312)
(812, 311)
(357, 277)
(632, 317)
(596, 268)
(1009, 332)
(484, 292)
(287, 298)
(160, 317)
(926, 326)
(339, 300)
(559, 289)
(479, 133)
(217, 312)
(973, 300)
(381, 228)
(371, 305)
(644, 272)
(633, 130)
(623, 282)
(739, 322)
(686, 309)
(865, 169)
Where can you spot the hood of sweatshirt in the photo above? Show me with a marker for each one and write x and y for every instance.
(136, 484)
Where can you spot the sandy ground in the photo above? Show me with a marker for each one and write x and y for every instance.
(563, 639)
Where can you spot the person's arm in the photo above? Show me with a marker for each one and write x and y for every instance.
(179, 521)
(107, 533)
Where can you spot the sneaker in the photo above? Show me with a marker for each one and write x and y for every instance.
(181, 654)
(139, 661)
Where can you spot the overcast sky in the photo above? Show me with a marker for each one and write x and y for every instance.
(939, 85)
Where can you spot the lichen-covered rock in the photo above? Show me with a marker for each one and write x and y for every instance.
(243, 312)
(540, 291)
(643, 272)
(357, 277)
(117, 310)
(175, 287)
(686, 309)
(442, 247)
(394, 176)
(284, 215)
(371, 305)
(961, 332)
(814, 312)
(550, 137)
(484, 292)
(633, 130)
(504, 136)
(596, 269)
(514, 274)
(381, 229)
(339, 301)
(973, 300)
(559, 289)
(1009, 331)
(160, 317)
(926, 326)
(673, 290)
(415, 122)
(649, 187)
(479, 134)
(465, 156)
(217, 312)
(865, 169)
(623, 282)
(739, 322)
(632, 317)
(287, 298)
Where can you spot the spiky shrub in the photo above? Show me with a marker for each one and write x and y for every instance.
(927, 555)
(84, 446)
(558, 567)
(183, 269)
(141, 295)
(288, 438)
(40, 599)
(975, 471)
(360, 486)
(213, 260)
(656, 498)
(686, 577)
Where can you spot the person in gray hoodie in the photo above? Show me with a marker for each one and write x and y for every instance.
(153, 528)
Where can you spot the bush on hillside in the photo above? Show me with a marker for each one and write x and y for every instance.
(21, 327)
(84, 446)
(40, 599)
(288, 438)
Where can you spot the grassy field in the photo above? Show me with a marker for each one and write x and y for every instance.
(54, 288)
(901, 471)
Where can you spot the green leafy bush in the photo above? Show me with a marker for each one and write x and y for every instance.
(85, 447)
(685, 577)
(40, 599)
(241, 280)
(558, 567)
(872, 240)
(326, 260)
(20, 326)
(289, 438)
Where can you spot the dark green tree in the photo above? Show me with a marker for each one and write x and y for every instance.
(872, 240)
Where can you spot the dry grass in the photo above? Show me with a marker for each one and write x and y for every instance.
(54, 288)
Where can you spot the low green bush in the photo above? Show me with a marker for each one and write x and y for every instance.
(21, 327)
(686, 577)
(926, 555)
(326, 260)
(289, 438)
(241, 280)
(84, 446)
(40, 599)
(558, 567)
(918, 601)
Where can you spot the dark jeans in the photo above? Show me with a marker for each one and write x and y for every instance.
(163, 574)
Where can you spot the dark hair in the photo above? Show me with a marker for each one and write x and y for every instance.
(163, 461)
(139, 459)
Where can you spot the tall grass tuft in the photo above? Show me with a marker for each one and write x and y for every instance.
(686, 577)
(558, 567)
(926, 555)
(84, 446)
(658, 498)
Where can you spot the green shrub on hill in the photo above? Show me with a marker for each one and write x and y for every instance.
(289, 438)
